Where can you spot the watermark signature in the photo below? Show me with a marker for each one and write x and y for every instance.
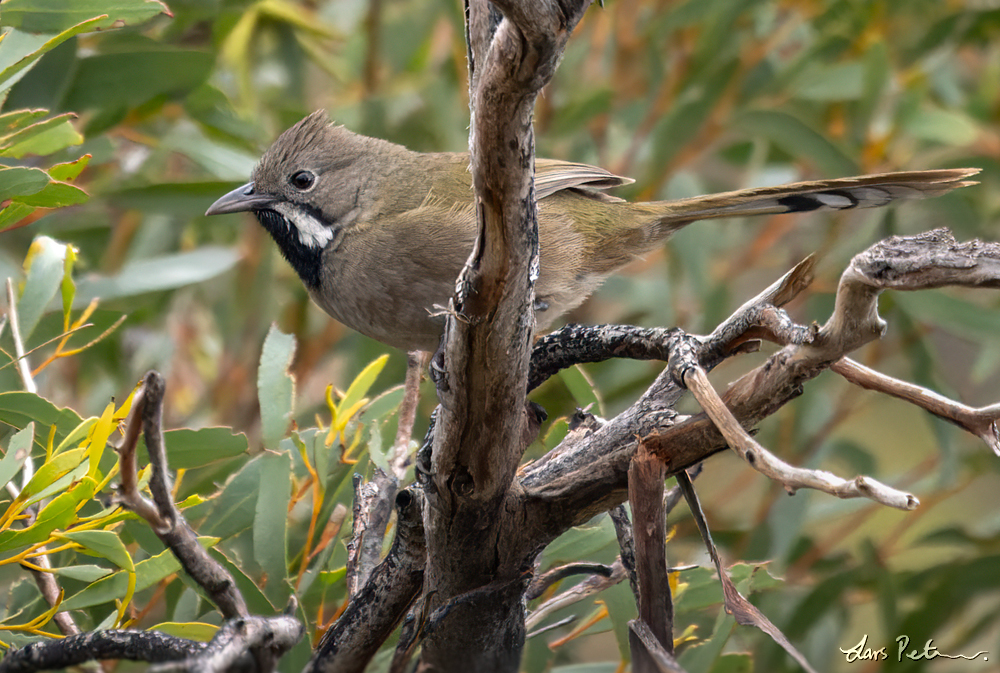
(861, 652)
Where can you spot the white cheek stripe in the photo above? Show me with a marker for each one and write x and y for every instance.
(312, 232)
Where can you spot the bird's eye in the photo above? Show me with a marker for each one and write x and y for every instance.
(302, 180)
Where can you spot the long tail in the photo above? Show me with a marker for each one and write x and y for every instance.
(868, 191)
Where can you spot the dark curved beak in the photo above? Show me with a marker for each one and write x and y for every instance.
(240, 200)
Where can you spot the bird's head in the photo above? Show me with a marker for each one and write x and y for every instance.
(305, 190)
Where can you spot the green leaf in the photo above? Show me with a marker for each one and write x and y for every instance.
(21, 181)
(104, 543)
(838, 82)
(183, 199)
(147, 573)
(83, 573)
(53, 469)
(222, 160)
(232, 510)
(41, 138)
(76, 435)
(31, 47)
(557, 432)
(950, 127)
(270, 525)
(68, 287)
(331, 577)
(794, 137)
(18, 450)
(275, 386)
(688, 115)
(187, 448)
(706, 653)
(50, 16)
(18, 119)
(320, 455)
(58, 514)
(60, 485)
(620, 602)
(122, 79)
(46, 259)
(56, 195)
(383, 405)
(581, 541)
(734, 662)
(954, 314)
(375, 449)
(156, 274)
(257, 602)
(19, 408)
(69, 170)
(582, 389)
(13, 214)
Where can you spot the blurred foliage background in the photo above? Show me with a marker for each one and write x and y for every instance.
(685, 96)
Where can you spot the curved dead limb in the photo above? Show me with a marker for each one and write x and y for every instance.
(148, 646)
(161, 514)
(981, 422)
(772, 467)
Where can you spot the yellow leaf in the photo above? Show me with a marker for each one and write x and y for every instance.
(361, 384)
(126, 406)
(98, 438)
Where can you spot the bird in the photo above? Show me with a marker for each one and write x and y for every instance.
(378, 234)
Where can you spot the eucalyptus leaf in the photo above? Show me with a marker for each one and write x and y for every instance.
(56, 195)
(104, 543)
(83, 573)
(17, 451)
(147, 573)
(20, 181)
(796, 138)
(123, 78)
(199, 631)
(187, 448)
(275, 386)
(47, 264)
(18, 409)
(51, 16)
(21, 50)
(166, 272)
(582, 389)
(270, 525)
(42, 137)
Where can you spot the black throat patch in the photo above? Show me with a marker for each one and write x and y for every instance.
(305, 259)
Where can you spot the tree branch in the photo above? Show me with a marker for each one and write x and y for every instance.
(161, 514)
(645, 495)
(236, 639)
(588, 473)
(791, 477)
(112, 644)
(380, 604)
(981, 422)
(482, 369)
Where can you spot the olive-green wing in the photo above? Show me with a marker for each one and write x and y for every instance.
(552, 176)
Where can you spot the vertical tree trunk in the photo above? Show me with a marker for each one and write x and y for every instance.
(475, 578)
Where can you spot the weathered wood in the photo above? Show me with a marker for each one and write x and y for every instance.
(379, 605)
(645, 495)
(483, 368)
